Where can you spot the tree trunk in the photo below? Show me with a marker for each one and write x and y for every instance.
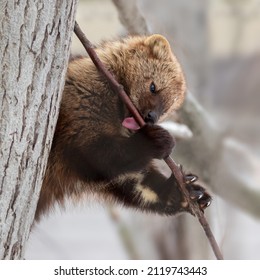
(34, 50)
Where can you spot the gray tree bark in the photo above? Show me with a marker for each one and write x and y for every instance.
(34, 50)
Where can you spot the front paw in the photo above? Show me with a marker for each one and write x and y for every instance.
(172, 198)
(159, 141)
(196, 192)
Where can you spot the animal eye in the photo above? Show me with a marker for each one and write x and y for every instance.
(152, 87)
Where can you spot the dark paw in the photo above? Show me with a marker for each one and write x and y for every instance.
(172, 200)
(197, 193)
(159, 141)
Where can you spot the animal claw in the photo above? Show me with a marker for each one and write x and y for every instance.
(190, 178)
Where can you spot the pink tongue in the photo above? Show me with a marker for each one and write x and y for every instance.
(130, 123)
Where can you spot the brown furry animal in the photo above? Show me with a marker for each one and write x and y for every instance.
(99, 147)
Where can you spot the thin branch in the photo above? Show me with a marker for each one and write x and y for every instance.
(207, 143)
(116, 87)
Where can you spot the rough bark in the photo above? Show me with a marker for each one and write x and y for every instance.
(34, 50)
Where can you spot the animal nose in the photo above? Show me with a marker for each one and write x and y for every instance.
(151, 117)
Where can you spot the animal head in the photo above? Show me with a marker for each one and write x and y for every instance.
(152, 76)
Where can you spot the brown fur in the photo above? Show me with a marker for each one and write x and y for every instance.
(91, 150)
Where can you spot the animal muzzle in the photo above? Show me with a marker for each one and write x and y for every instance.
(151, 117)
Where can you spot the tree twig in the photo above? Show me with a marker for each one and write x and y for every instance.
(118, 88)
(208, 141)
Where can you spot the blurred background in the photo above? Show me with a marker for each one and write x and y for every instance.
(218, 45)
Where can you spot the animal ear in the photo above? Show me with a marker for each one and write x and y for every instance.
(159, 46)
